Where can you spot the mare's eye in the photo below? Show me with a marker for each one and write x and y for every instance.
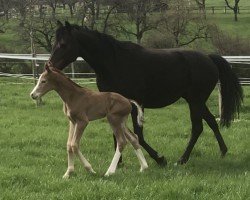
(43, 81)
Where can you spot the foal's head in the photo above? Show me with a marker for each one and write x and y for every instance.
(46, 83)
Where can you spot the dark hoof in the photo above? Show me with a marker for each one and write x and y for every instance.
(162, 161)
(182, 161)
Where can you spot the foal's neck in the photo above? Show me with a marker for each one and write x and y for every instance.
(68, 91)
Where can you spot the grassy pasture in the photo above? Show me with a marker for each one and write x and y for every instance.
(33, 154)
(222, 2)
(224, 22)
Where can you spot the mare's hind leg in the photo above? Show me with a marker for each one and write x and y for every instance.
(139, 132)
(196, 111)
(133, 139)
(210, 119)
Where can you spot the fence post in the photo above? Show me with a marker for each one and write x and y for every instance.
(34, 65)
(225, 10)
(213, 9)
(72, 70)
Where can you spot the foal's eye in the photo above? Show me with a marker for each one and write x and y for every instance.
(43, 81)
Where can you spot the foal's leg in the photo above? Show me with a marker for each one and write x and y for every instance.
(196, 111)
(139, 132)
(121, 142)
(133, 139)
(210, 119)
(75, 144)
(115, 145)
(70, 151)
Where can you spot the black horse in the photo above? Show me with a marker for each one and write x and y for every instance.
(154, 78)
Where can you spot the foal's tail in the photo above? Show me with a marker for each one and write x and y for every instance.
(140, 118)
(231, 90)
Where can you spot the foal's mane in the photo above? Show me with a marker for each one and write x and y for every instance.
(67, 78)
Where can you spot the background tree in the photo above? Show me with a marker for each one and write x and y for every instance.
(53, 4)
(2, 28)
(5, 6)
(88, 12)
(184, 25)
(71, 4)
(23, 7)
(228, 44)
(234, 7)
(202, 6)
(111, 8)
(43, 32)
(143, 15)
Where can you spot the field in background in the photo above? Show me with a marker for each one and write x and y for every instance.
(33, 154)
(224, 22)
(222, 2)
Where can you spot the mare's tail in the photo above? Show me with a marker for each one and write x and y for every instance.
(231, 90)
(140, 118)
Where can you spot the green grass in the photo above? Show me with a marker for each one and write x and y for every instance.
(33, 154)
(225, 22)
(222, 2)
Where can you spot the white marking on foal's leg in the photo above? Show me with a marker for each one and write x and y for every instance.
(113, 165)
(70, 169)
(141, 159)
(85, 162)
(70, 152)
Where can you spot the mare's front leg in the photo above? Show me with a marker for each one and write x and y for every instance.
(80, 125)
(70, 152)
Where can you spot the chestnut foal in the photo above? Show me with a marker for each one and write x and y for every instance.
(82, 105)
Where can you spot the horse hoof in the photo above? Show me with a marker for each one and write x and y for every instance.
(66, 176)
(107, 174)
(182, 161)
(92, 171)
(162, 161)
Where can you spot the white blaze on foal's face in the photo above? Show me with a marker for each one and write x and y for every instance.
(42, 86)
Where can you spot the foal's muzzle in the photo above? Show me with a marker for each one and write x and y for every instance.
(33, 96)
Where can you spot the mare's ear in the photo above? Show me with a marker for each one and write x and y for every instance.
(59, 24)
(68, 26)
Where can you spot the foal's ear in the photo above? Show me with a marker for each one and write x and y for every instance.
(68, 26)
(47, 68)
(59, 24)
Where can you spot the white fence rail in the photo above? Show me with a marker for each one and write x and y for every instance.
(45, 57)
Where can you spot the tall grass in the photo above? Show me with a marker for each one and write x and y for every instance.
(33, 154)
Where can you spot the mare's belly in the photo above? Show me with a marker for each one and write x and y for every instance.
(160, 100)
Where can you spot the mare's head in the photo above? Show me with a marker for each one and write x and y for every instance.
(66, 47)
(46, 83)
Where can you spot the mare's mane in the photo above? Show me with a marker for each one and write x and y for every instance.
(126, 45)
